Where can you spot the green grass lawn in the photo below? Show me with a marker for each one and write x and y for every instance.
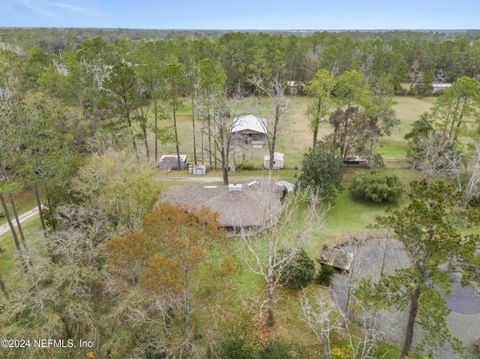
(8, 254)
(295, 135)
(24, 201)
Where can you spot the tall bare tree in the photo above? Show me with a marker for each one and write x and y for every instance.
(326, 320)
(435, 156)
(174, 76)
(280, 107)
(223, 140)
(211, 94)
(472, 189)
(269, 255)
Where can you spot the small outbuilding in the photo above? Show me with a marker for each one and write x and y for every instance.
(171, 161)
(197, 169)
(250, 130)
(295, 88)
(336, 257)
(278, 160)
(355, 161)
(439, 87)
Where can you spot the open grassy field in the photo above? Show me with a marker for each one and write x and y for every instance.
(295, 134)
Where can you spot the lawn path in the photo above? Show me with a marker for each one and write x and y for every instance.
(23, 217)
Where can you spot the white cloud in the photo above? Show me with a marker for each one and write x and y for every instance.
(46, 8)
(31, 4)
(72, 7)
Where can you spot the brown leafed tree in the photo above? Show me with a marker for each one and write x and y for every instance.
(165, 255)
(354, 133)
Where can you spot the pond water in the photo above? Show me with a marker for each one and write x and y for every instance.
(368, 263)
(377, 257)
(463, 300)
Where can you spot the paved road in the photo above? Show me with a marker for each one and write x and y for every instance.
(23, 217)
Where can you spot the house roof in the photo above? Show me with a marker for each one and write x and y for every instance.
(249, 123)
(173, 158)
(256, 205)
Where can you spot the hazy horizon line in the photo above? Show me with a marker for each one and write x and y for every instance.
(240, 30)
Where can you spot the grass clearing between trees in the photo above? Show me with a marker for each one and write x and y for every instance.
(295, 134)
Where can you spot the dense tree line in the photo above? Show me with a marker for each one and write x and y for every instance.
(400, 56)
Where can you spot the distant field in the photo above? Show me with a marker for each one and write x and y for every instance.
(295, 136)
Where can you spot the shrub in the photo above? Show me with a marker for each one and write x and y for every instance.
(322, 170)
(120, 185)
(299, 272)
(324, 276)
(376, 161)
(246, 166)
(277, 350)
(476, 347)
(376, 187)
(235, 347)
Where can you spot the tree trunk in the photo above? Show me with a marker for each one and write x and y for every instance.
(176, 131)
(214, 147)
(343, 145)
(50, 208)
(17, 220)
(40, 211)
(315, 135)
(129, 122)
(14, 233)
(145, 140)
(412, 315)
(210, 153)
(462, 113)
(270, 303)
(155, 110)
(270, 282)
(2, 287)
(317, 123)
(452, 124)
(274, 136)
(225, 174)
(203, 148)
(193, 132)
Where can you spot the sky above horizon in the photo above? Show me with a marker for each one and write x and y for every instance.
(243, 14)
